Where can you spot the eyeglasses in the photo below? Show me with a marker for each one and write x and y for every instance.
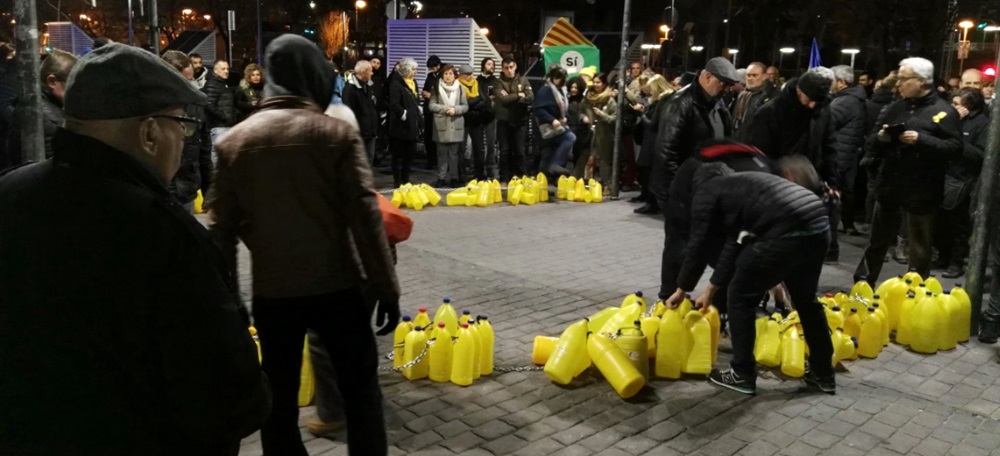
(906, 78)
(189, 125)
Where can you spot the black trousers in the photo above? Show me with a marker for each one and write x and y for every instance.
(674, 248)
(762, 265)
(848, 174)
(952, 229)
(512, 138)
(644, 194)
(402, 159)
(886, 222)
(343, 321)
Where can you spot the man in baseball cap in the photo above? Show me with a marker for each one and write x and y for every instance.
(119, 316)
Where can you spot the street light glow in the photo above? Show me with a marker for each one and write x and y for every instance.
(650, 46)
(485, 31)
(851, 51)
(664, 28)
(966, 24)
(312, 5)
(207, 17)
(360, 4)
(734, 51)
(786, 50)
(697, 48)
(417, 6)
(992, 28)
(187, 11)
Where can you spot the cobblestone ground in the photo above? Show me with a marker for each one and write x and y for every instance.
(534, 270)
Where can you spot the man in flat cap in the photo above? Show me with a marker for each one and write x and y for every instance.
(691, 117)
(296, 186)
(120, 331)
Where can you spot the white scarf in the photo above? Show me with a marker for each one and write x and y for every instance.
(560, 98)
(448, 94)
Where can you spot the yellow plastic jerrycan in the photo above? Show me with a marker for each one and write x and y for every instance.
(903, 332)
(488, 338)
(432, 195)
(413, 199)
(835, 318)
(542, 349)
(256, 341)
(530, 195)
(472, 194)
(633, 298)
(671, 345)
(399, 340)
(622, 318)
(770, 344)
(567, 356)
(699, 360)
(543, 187)
(446, 313)
(884, 319)
(862, 289)
(497, 192)
(307, 381)
(416, 340)
(635, 345)
(624, 378)
(927, 325)
(466, 316)
(686, 305)
(598, 319)
(965, 313)
(914, 276)
(843, 346)
(893, 299)
(515, 193)
(793, 353)
(571, 189)
(580, 190)
(421, 194)
(422, 319)
(397, 198)
(477, 361)
(933, 285)
(199, 203)
(561, 187)
(463, 356)
(485, 196)
(650, 326)
(440, 353)
(596, 191)
(759, 325)
(658, 309)
(883, 288)
(870, 342)
(953, 313)
(711, 314)
(842, 299)
(457, 197)
(852, 323)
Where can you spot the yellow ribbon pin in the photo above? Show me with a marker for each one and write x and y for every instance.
(939, 116)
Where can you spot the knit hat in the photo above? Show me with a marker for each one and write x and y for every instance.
(433, 61)
(589, 72)
(141, 82)
(816, 83)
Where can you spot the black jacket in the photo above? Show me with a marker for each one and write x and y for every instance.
(52, 119)
(244, 100)
(848, 113)
(649, 122)
(757, 99)
(404, 110)
(880, 99)
(195, 171)
(360, 97)
(480, 109)
(221, 108)
(119, 316)
(975, 128)
(546, 107)
(486, 84)
(380, 90)
(736, 157)
(765, 205)
(783, 127)
(683, 126)
(913, 175)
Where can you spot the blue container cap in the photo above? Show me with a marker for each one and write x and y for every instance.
(638, 294)
(418, 328)
(958, 284)
(876, 296)
(875, 305)
(864, 277)
(836, 308)
(947, 292)
(854, 309)
(466, 312)
(871, 309)
(407, 318)
(447, 300)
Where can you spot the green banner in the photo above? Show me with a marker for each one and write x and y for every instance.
(573, 58)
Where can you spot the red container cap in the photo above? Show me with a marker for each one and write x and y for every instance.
(441, 325)
(465, 325)
(423, 310)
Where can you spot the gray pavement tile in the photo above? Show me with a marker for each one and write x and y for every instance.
(535, 431)
(984, 440)
(507, 444)
(636, 444)
(759, 448)
(540, 447)
(779, 438)
(602, 439)
(420, 441)
(463, 442)
(861, 440)
(901, 443)
(476, 452)
(877, 429)
(664, 431)
(451, 429)
(723, 447)
(493, 430)
(613, 452)
(424, 423)
(932, 447)
(432, 451)
(573, 450)
(964, 449)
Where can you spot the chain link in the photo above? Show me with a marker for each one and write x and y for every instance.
(502, 369)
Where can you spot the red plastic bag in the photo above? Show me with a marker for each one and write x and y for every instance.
(398, 225)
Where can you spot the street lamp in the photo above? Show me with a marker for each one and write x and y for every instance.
(781, 56)
(697, 48)
(853, 53)
(358, 6)
(207, 17)
(484, 31)
(666, 32)
(734, 52)
(963, 46)
(187, 12)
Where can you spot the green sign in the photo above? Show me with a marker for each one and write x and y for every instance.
(573, 58)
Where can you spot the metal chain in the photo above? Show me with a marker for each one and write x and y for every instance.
(502, 369)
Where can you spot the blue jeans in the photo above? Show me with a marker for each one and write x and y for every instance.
(562, 147)
(216, 133)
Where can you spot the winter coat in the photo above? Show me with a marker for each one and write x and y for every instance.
(913, 175)
(546, 106)
(486, 84)
(604, 124)
(52, 119)
(404, 111)
(246, 98)
(380, 91)
(649, 122)
(195, 171)
(784, 127)
(880, 99)
(848, 112)
(765, 205)
(360, 97)
(449, 129)
(975, 128)
(511, 108)
(683, 126)
(221, 108)
(480, 109)
(121, 317)
(574, 116)
(757, 99)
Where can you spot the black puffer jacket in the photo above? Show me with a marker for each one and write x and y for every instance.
(683, 126)
(195, 171)
(649, 122)
(913, 175)
(360, 97)
(880, 99)
(784, 127)
(736, 157)
(763, 204)
(404, 112)
(221, 108)
(757, 99)
(975, 128)
(847, 112)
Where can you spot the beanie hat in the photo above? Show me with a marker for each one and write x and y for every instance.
(816, 83)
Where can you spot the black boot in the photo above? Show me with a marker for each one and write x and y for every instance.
(647, 209)
(989, 331)
(953, 272)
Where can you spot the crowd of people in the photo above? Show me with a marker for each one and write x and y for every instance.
(753, 174)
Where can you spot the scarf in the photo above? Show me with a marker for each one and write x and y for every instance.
(560, 97)
(471, 88)
(411, 84)
(448, 94)
(599, 99)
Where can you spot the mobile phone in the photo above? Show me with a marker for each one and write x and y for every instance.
(895, 130)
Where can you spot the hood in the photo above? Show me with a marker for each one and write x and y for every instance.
(789, 98)
(296, 67)
(855, 91)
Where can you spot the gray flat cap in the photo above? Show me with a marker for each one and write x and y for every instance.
(722, 68)
(465, 69)
(119, 82)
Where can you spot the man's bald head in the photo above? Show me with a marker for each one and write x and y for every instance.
(972, 78)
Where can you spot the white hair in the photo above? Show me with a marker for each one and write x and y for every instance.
(843, 73)
(406, 67)
(742, 74)
(362, 66)
(923, 67)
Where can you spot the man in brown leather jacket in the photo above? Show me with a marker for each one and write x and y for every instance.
(296, 187)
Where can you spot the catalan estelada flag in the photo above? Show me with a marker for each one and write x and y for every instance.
(563, 33)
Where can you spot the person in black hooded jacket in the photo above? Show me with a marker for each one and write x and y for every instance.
(196, 160)
(881, 97)
(847, 112)
(771, 231)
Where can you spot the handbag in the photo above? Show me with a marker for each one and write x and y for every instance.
(549, 132)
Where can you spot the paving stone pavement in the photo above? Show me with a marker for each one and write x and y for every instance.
(534, 270)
